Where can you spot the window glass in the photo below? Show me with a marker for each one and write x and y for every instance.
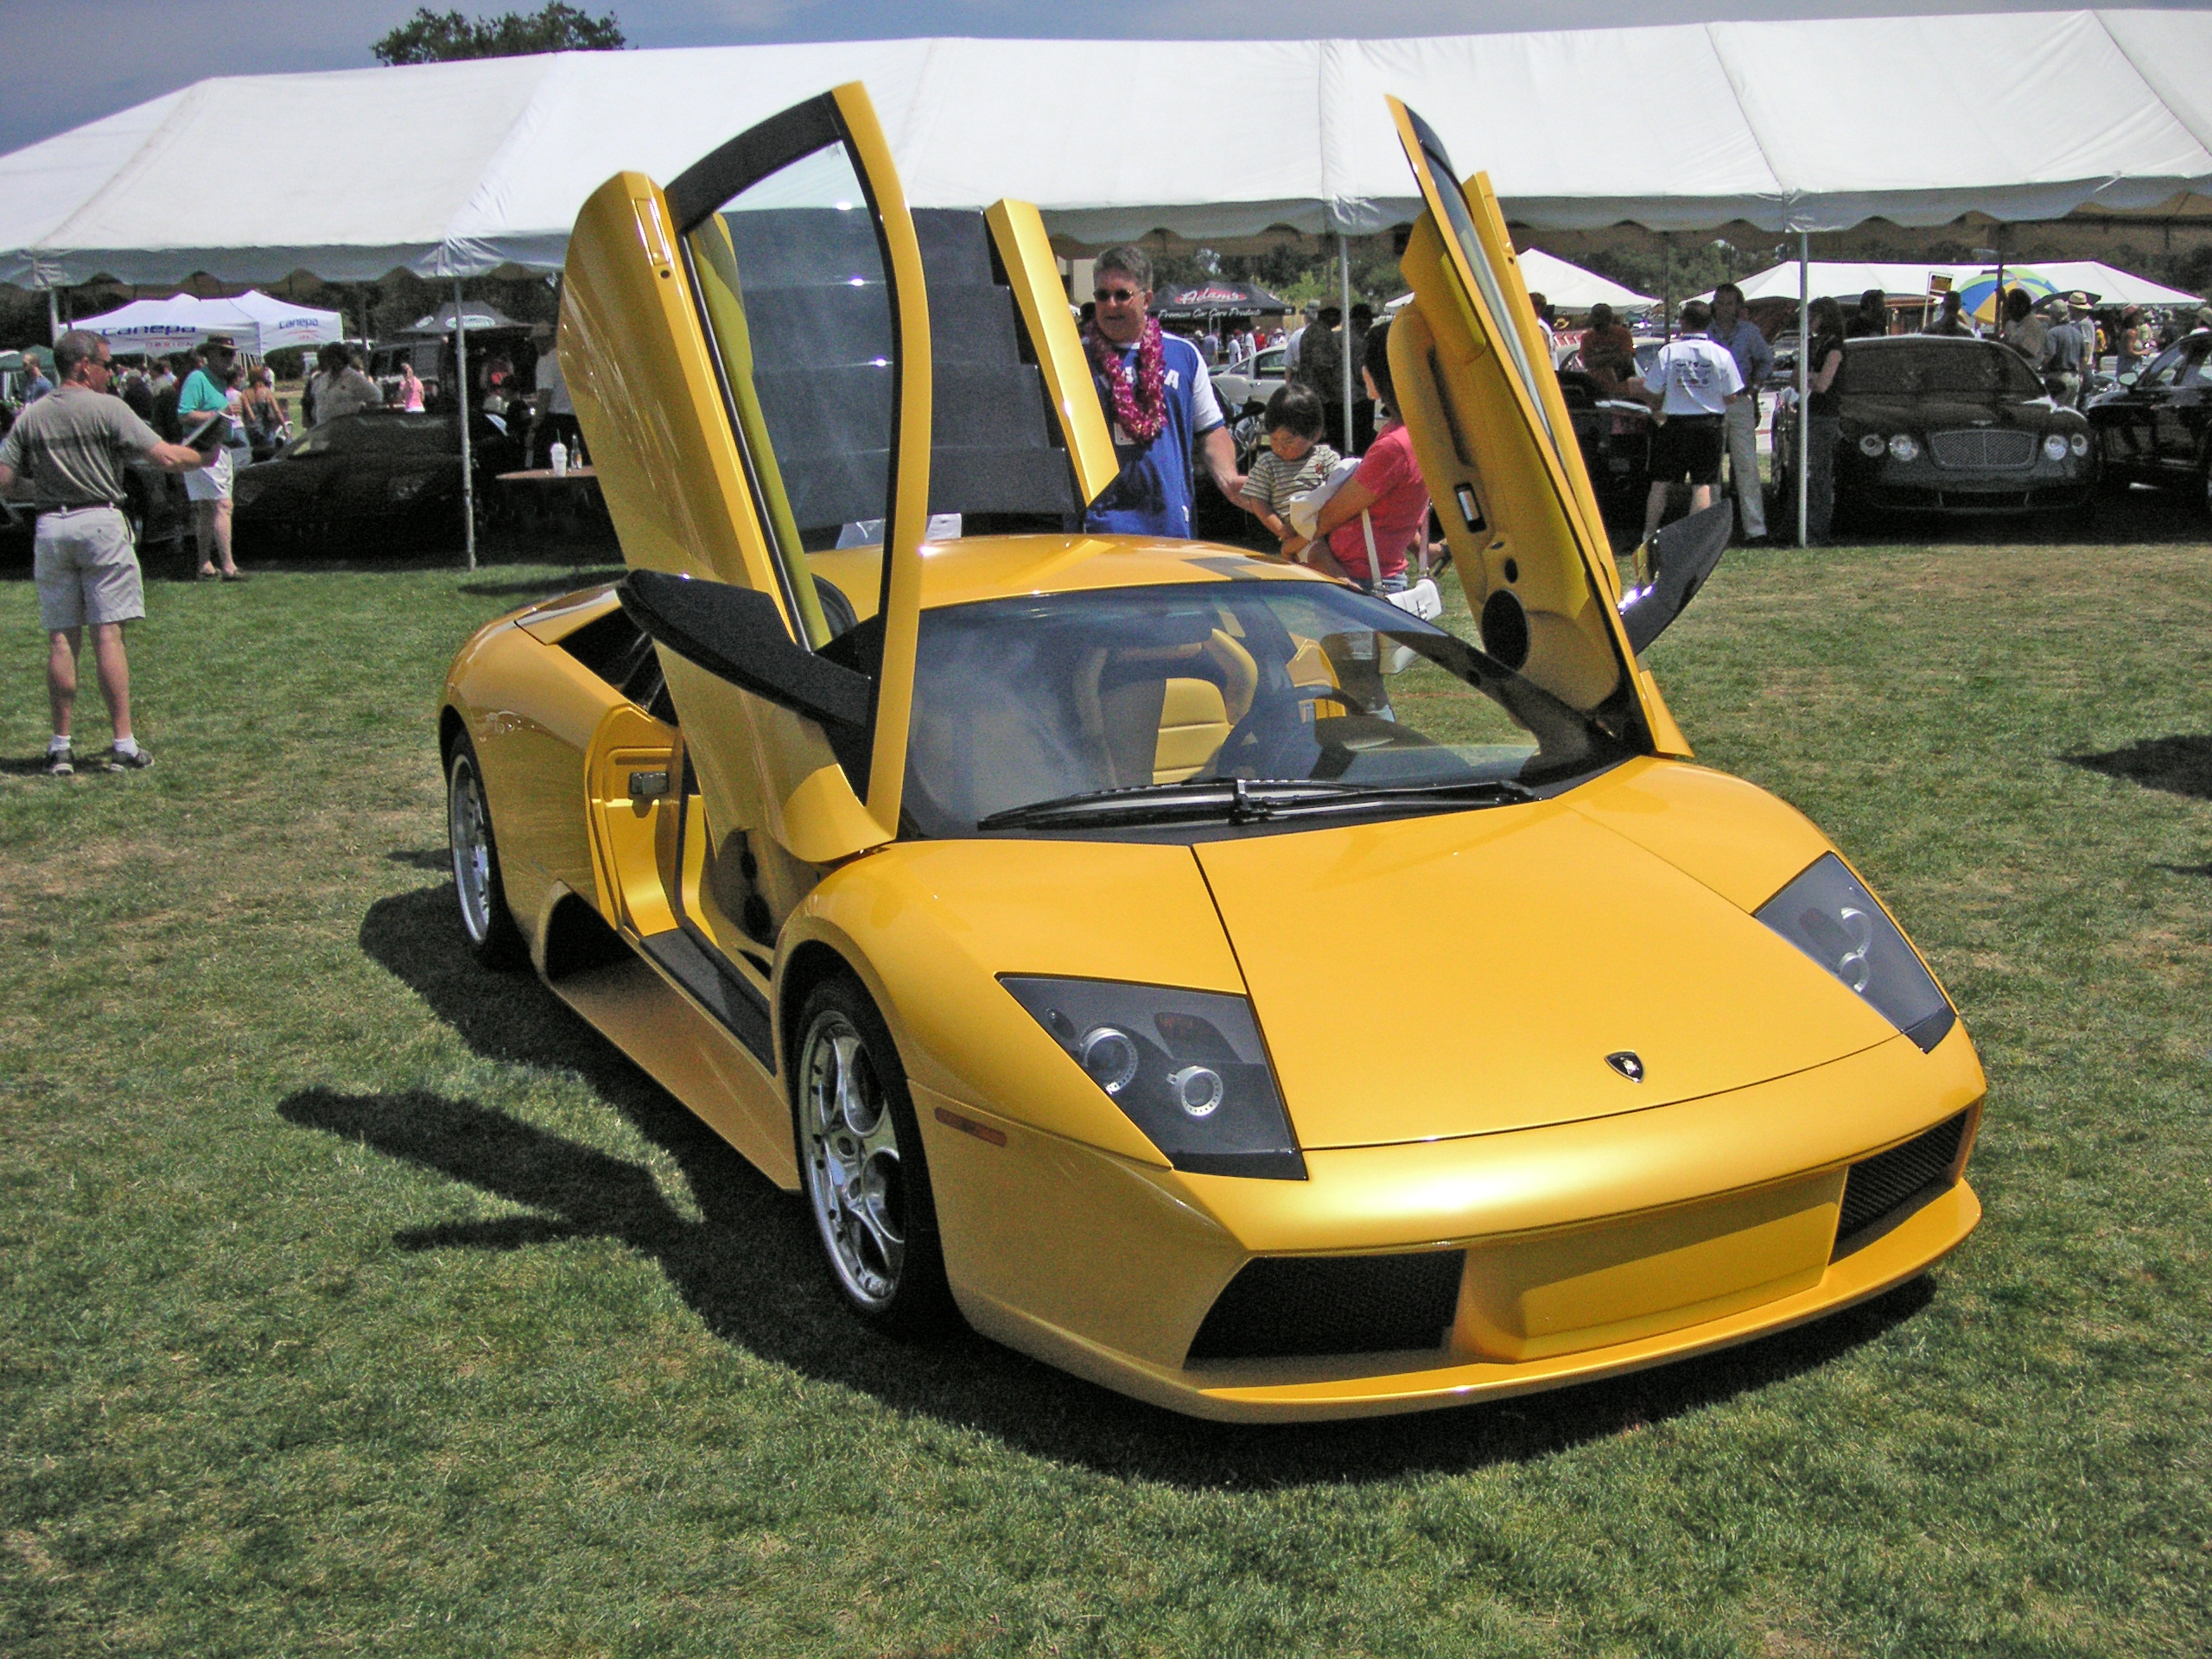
(1486, 279)
(1020, 701)
(1971, 367)
(790, 274)
(2165, 369)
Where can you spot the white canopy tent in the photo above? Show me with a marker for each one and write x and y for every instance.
(2107, 285)
(2104, 283)
(1569, 287)
(259, 323)
(461, 168)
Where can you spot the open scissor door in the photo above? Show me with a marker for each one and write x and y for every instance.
(1497, 449)
(749, 353)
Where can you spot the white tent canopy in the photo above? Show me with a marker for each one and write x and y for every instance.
(259, 323)
(457, 169)
(1844, 279)
(2108, 285)
(1569, 287)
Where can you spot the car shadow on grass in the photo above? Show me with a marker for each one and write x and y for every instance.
(750, 1269)
(2178, 765)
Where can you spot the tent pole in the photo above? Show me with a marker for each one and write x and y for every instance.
(461, 401)
(1804, 372)
(1343, 326)
(53, 314)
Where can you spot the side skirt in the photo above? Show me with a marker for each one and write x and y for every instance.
(691, 1052)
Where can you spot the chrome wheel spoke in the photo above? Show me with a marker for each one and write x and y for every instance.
(851, 1158)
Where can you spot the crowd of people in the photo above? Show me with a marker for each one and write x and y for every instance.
(1157, 394)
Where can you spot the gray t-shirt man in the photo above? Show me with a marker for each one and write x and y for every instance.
(74, 444)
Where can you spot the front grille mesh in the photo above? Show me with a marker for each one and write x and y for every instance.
(1888, 1180)
(1282, 1307)
(1975, 448)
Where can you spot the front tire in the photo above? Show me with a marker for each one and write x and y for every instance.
(486, 921)
(860, 1163)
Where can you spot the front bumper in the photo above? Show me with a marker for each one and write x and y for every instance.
(1920, 486)
(1591, 1247)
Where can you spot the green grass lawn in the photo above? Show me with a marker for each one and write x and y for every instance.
(357, 1300)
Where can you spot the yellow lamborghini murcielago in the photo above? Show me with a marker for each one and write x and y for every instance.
(1191, 972)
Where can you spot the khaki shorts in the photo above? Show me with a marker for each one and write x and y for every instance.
(87, 570)
(213, 481)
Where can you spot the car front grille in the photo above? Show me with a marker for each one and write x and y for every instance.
(1283, 1306)
(1888, 1181)
(1982, 449)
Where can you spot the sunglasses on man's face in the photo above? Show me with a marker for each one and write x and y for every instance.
(1115, 296)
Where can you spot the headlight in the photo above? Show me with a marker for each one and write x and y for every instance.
(2054, 447)
(1826, 913)
(1186, 1067)
(1902, 447)
(2079, 444)
(1870, 445)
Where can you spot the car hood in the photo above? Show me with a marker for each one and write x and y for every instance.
(1934, 414)
(1470, 973)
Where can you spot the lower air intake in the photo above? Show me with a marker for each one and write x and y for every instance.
(1286, 1306)
(1888, 1181)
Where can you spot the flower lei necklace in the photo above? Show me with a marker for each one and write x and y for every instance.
(1141, 408)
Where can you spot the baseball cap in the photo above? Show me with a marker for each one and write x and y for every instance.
(221, 342)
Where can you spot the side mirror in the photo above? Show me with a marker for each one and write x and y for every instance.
(1682, 556)
(738, 634)
(2130, 377)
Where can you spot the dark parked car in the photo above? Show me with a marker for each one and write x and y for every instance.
(1936, 424)
(1615, 437)
(383, 479)
(2153, 425)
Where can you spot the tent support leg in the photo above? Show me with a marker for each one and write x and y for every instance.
(461, 401)
(1343, 326)
(53, 314)
(1804, 372)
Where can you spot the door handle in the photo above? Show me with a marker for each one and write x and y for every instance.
(648, 785)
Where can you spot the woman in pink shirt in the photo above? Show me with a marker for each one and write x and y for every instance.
(1386, 495)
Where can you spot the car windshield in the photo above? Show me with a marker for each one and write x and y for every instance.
(1973, 367)
(1082, 709)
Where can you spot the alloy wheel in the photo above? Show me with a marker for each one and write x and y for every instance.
(849, 1148)
(468, 826)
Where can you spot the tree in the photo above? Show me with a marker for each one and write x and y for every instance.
(443, 36)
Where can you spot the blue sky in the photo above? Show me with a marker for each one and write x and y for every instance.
(63, 62)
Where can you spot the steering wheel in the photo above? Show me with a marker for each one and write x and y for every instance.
(1278, 702)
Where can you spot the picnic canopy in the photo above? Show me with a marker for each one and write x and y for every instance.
(460, 168)
(1216, 297)
(1841, 279)
(258, 322)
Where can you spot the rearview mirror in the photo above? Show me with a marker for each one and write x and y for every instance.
(738, 634)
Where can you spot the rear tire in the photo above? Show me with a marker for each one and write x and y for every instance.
(486, 921)
(861, 1165)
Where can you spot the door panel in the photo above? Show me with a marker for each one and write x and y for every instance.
(628, 793)
(1026, 254)
(1497, 446)
(750, 355)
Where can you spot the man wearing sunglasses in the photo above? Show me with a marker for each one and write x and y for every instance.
(1159, 401)
(73, 446)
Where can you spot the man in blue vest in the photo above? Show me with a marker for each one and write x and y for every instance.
(1159, 400)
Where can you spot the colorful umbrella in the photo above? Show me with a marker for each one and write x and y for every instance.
(1978, 294)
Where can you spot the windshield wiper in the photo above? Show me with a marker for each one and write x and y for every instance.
(1236, 800)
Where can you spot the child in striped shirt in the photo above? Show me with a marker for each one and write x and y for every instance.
(1296, 460)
